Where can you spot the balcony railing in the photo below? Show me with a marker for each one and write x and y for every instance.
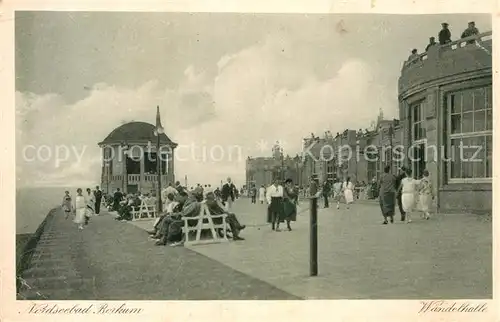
(136, 178)
(483, 38)
(133, 178)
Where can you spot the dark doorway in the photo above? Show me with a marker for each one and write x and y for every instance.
(132, 188)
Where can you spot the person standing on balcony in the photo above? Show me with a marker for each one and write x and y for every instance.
(413, 57)
(470, 31)
(444, 34)
(432, 42)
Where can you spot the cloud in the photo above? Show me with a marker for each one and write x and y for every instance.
(263, 92)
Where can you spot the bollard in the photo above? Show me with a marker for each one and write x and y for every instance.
(313, 262)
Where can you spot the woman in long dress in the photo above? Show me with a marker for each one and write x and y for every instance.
(408, 189)
(290, 199)
(348, 188)
(90, 201)
(426, 194)
(387, 194)
(80, 209)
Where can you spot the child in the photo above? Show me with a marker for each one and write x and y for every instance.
(67, 204)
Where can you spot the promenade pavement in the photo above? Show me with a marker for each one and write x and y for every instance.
(448, 256)
(112, 260)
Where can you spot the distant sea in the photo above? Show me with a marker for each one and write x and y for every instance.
(33, 205)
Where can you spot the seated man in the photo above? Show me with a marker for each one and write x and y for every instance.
(171, 228)
(171, 206)
(215, 208)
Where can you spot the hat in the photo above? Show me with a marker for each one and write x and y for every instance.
(444, 24)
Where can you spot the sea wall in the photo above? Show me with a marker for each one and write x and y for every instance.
(26, 244)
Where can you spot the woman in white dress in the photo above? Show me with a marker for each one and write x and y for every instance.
(408, 189)
(348, 188)
(80, 209)
(262, 194)
(426, 194)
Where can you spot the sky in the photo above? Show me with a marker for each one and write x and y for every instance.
(228, 85)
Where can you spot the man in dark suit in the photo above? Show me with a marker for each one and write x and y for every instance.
(399, 178)
(98, 198)
(228, 194)
(326, 190)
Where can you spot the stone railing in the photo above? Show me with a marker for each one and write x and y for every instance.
(441, 61)
(134, 178)
(150, 177)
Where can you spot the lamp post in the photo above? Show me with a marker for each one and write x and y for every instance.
(357, 155)
(391, 134)
(282, 165)
(106, 166)
(313, 229)
(125, 172)
(158, 132)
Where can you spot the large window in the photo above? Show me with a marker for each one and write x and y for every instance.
(470, 134)
(417, 122)
(397, 158)
(330, 166)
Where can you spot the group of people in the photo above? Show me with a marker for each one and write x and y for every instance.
(83, 207)
(406, 191)
(339, 190)
(181, 204)
(444, 37)
(124, 204)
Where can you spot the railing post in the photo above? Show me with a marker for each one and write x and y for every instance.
(313, 265)
(313, 228)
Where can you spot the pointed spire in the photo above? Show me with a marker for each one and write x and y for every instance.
(158, 120)
(159, 128)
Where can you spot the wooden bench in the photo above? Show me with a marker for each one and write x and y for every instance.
(144, 212)
(204, 222)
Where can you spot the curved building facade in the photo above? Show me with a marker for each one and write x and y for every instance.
(446, 108)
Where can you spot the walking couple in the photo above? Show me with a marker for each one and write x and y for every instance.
(282, 203)
(84, 206)
(404, 189)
